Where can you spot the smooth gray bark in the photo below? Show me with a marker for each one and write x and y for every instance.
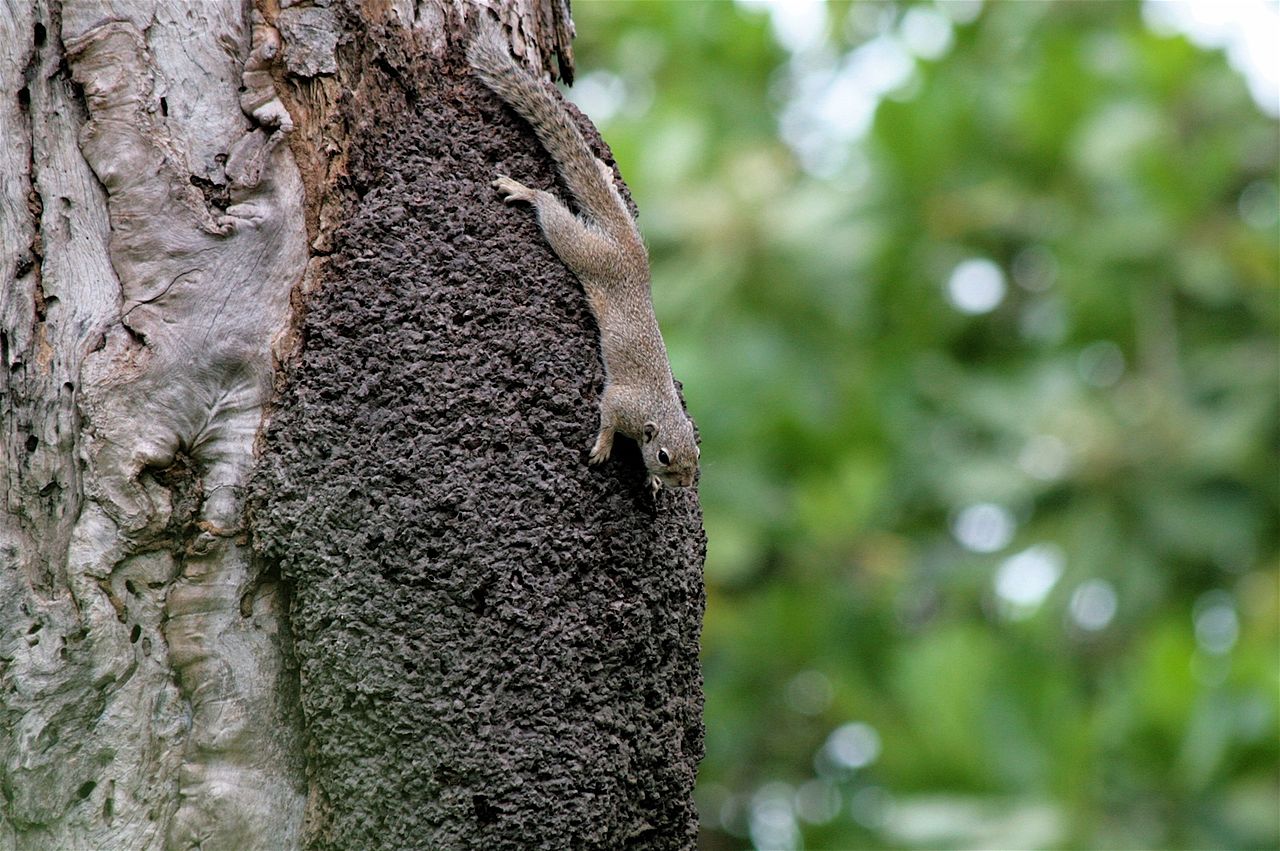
(140, 648)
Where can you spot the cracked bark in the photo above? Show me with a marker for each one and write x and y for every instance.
(220, 633)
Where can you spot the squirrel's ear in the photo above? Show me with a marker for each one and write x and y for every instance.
(650, 431)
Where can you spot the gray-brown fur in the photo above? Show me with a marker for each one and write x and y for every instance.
(602, 246)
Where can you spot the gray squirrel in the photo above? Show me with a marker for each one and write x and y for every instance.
(603, 248)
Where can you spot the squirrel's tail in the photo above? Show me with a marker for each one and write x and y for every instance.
(489, 55)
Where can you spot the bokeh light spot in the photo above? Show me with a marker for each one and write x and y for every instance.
(854, 745)
(1094, 604)
(817, 802)
(1024, 579)
(1035, 268)
(926, 32)
(976, 286)
(1216, 621)
(773, 821)
(1260, 205)
(984, 527)
(599, 94)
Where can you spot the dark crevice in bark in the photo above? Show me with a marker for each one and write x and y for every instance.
(182, 478)
(216, 195)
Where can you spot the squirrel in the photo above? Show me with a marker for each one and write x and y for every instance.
(603, 248)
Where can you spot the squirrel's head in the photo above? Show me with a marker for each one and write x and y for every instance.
(670, 451)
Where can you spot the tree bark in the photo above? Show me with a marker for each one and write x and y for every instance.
(434, 625)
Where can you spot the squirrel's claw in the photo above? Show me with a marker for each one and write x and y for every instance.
(514, 190)
(655, 485)
(603, 447)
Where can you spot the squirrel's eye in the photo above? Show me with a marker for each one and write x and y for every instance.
(663, 458)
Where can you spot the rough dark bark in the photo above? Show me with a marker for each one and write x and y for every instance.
(498, 644)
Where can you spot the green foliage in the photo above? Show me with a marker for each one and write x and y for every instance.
(1027, 549)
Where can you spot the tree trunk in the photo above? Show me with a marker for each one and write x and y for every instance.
(434, 625)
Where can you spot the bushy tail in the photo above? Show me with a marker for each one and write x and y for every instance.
(489, 55)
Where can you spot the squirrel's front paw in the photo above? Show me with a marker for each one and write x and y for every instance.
(603, 447)
(514, 190)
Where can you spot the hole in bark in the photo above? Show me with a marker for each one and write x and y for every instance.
(135, 634)
(35, 627)
(130, 587)
(484, 810)
(63, 73)
(478, 600)
(32, 442)
(146, 647)
(164, 107)
(108, 809)
(134, 334)
(41, 34)
(215, 195)
(86, 789)
(182, 478)
(24, 97)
